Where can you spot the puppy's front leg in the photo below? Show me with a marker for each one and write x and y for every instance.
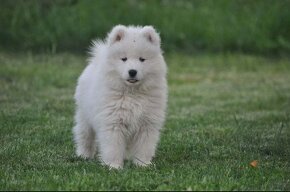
(112, 147)
(144, 145)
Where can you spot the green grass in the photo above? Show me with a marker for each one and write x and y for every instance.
(260, 26)
(224, 111)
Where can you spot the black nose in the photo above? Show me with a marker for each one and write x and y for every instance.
(132, 73)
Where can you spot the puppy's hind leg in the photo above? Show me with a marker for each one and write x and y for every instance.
(85, 140)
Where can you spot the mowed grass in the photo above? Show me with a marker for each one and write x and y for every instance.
(224, 111)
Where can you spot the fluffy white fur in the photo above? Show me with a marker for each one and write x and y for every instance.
(122, 118)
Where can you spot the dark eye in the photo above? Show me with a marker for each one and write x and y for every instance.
(141, 59)
(124, 59)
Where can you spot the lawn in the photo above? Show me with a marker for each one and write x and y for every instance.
(224, 111)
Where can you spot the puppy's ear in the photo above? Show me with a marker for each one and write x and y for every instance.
(117, 34)
(151, 35)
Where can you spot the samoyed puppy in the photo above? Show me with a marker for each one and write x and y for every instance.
(121, 98)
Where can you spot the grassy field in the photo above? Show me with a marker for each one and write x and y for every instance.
(260, 26)
(225, 111)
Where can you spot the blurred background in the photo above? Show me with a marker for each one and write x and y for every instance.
(249, 26)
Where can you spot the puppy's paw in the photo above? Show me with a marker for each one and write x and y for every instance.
(141, 162)
(113, 165)
(85, 154)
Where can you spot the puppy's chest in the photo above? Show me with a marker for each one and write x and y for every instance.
(130, 113)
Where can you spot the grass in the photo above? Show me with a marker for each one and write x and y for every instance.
(260, 26)
(225, 110)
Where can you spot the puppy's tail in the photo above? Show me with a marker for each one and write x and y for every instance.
(97, 48)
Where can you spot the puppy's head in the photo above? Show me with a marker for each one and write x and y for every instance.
(135, 54)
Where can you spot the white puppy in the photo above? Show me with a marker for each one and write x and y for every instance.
(121, 98)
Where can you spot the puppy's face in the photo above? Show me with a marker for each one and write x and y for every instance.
(135, 54)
